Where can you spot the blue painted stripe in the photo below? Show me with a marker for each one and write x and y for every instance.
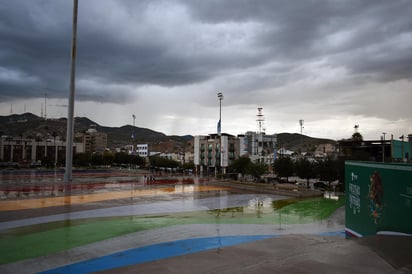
(163, 251)
(155, 252)
(332, 233)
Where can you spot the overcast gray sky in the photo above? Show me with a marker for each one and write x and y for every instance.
(334, 64)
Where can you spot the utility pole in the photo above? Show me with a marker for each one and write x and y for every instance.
(402, 138)
(133, 137)
(383, 148)
(45, 106)
(301, 128)
(70, 112)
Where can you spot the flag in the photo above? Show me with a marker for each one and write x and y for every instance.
(218, 127)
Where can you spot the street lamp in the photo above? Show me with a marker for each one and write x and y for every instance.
(402, 138)
(68, 177)
(219, 126)
(383, 148)
(134, 119)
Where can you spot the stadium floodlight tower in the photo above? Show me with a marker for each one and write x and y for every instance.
(219, 127)
(301, 130)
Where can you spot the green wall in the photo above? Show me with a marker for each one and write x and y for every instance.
(398, 147)
(378, 198)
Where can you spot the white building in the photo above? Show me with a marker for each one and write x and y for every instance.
(142, 150)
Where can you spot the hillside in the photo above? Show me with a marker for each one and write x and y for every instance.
(296, 142)
(31, 126)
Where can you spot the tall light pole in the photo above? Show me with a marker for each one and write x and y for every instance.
(383, 148)
(133, 137)
(402, 138)
(70, 112)
(219, 126)
(301, 127)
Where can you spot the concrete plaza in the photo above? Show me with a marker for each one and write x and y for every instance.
(314, 247)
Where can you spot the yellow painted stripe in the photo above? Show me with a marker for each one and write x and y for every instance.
(44, 202)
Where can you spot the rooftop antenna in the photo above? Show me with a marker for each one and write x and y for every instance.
(260, 119)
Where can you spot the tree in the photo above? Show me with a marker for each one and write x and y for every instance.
(157, 161)
(357, 137)
(327, 170)
(187, 166)
(283, 167)
(121, 158)
(241, 165)
(257, 170)
(137, 161)
(107, 158)
(82, 159)
(97, 159)
(305, 170)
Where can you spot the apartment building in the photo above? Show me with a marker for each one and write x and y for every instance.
(215, 152)
(259, 147)
(93, 140)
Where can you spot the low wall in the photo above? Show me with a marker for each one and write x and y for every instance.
(278, 189)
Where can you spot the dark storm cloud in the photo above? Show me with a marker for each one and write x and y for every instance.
(33, 48)
(125, 45)
(299, 31)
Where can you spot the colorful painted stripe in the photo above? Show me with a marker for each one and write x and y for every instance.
(164, 251)
(155, 252)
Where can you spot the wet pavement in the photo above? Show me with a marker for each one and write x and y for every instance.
(244, 246)
(147, 208)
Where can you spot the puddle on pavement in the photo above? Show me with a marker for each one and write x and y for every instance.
(69, 233)
(26, 190)
(44, 189)
(256, 211)
(267, 211)
(48, 183)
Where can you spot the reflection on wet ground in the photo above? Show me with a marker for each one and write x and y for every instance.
(48, 184)
(36, 205)
(112, 194)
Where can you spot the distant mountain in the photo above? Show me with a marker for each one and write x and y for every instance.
(32, 126)
(29, 125)
(296, 142)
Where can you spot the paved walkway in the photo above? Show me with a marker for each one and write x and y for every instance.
(286, 254)
(170, 235)
(318, 247)
(145, 208)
